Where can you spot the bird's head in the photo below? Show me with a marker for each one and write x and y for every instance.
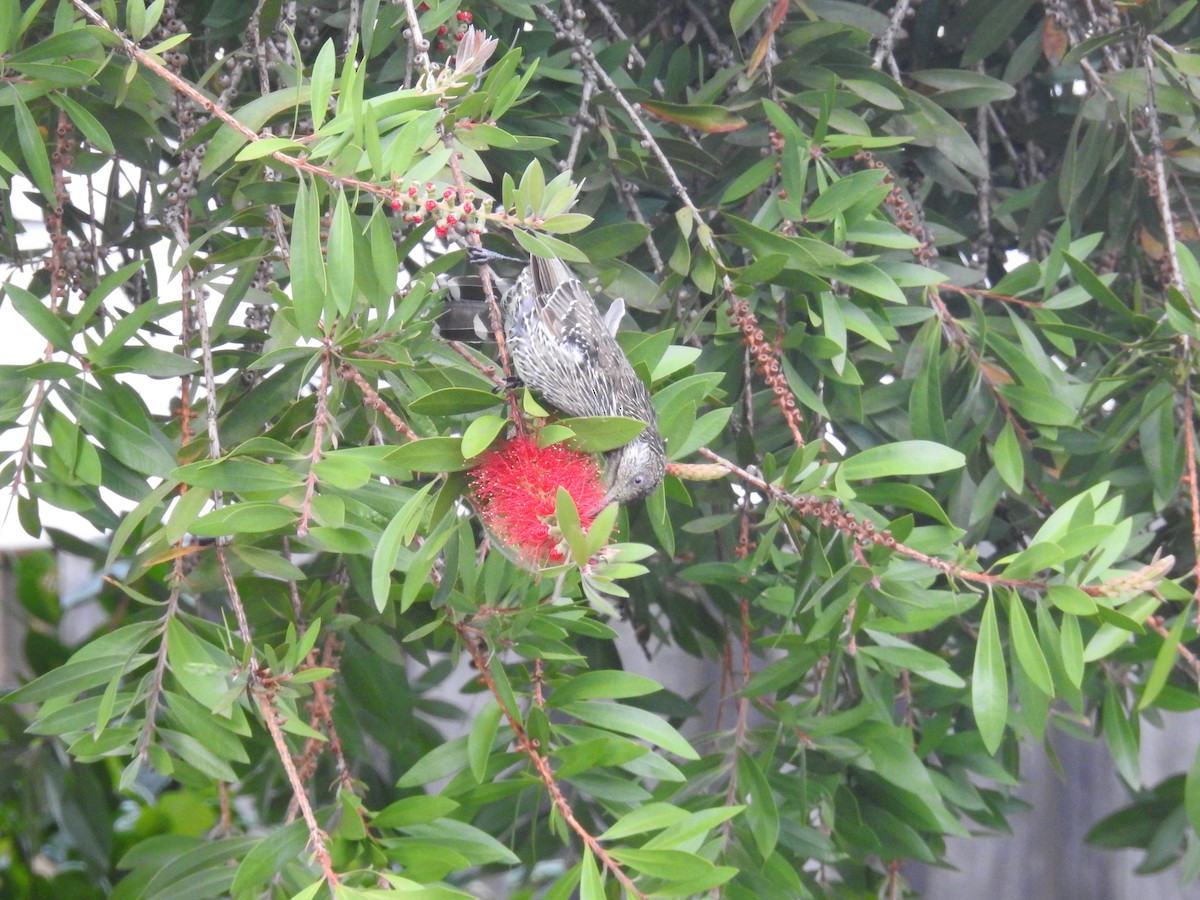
(636, 469)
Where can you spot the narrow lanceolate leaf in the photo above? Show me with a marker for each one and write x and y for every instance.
(700, 116)
(322, 82)
(591, 886)
(33, 148)
(1025, 644)
(1191, 793)
(1164, 662)
(341, 258)
(390, 542)
(633, 721)
(308, 266)
(902, 458)
(1008, 459)
(38, 314)
(989, 682)
(483, 734)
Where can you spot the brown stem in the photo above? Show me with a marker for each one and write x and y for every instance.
(831, 514)
(372, 400)
(1189, 444)
(265, 696)
(529, 747)
(320, 421)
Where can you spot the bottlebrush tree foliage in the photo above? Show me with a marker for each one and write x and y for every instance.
(911, 286)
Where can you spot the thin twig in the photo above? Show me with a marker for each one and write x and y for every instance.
(1161, 191)
(1193, 488)
(265, 697)
(372, 400)
(887, 40)
(320, 420)
(529, 747)
(830, 514)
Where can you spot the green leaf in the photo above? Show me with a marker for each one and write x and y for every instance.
(87, 124)
(743, 13)
(443, 761)
(265, 147)
(1009, 460)
(595, 434)
(422, 564)
(341, 257)
(1025, 644)
(454, 401)
(74, 677)
(321, 82)
(901, 458)
(38, 314)
(608, 684)
(1121, 738)
(648, 817)
(397, 533)
(1164, 661)
(1191, 793)
(762, 813)
(308, 264)
(591, 887)
(254, 115)
(859, 187)
(244, 518)
(437, 454)
(269, 856)
(1071, 599)
(633, 721)
(1071, 646)
(482, 736)
(33, 148)
(989, 682)
(705, 117)
(480, 434)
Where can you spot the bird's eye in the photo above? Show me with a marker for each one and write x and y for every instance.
(638, 479)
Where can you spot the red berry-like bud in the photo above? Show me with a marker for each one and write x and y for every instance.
(441, 45)
(469, 194)
(395, 204)
(442, 29)
(416, 220)
(429, 186)
(458, 35)
(430, 205)
(412, 191)
(463, 16)
(441, 231)
(448, 193)
(468, 209)
(451, 220)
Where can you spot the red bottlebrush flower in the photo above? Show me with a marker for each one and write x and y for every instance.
(515, 489)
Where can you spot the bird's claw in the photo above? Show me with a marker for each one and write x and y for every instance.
(481, 256)
(511, 383)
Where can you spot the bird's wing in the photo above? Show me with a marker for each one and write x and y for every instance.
(565, 308)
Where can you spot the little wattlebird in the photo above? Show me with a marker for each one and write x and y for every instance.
(563, 349)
